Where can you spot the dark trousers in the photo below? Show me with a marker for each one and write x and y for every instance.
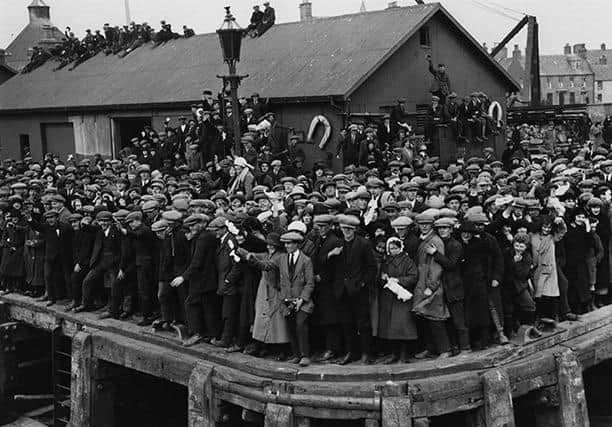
(57, 279)
(76, 279)
(298, 333)
(146, 288)
(354, 314)
(171, 301)
(202, 313)
(457, 331)
(230, 316)
(94, 278)
(436, 338)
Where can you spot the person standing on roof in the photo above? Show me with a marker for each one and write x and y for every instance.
(269, 17)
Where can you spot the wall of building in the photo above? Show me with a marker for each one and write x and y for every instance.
(582, 86)
(605, 92)
(406, 74)
(5, 74)
(14, 125)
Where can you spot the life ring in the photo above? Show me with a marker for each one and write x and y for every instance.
(316, 121)
(496, 113)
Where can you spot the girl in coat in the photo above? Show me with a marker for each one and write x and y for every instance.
(396, 322)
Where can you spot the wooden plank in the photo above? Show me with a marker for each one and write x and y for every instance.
(278, 416)
(200, 397)
(81, 387)
(572, 399)
(498, 409)
(334, 413)
(103, 398)
(396, 411)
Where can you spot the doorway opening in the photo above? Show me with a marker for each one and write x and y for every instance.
(127, 128)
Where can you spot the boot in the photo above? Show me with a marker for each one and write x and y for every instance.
(501, 337)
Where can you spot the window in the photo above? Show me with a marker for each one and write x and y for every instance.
(599, 85)
(599, 98)
(572, 98)
(578, 65)
(560, 81)
(549, 98)
(424, 36)
(584, 81)
(571, 82)
(549, 83)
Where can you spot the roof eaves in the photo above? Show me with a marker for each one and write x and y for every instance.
(390, 52)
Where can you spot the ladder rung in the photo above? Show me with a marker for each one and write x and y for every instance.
(63, 420)
(61, 353)
(63, 387)
(65, 403)
(62, 371)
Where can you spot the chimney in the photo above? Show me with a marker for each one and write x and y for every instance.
(580, 50)
(516, 53)
(305, 11)
(567, 50)
(603, 46)
(603, 60)
(39, 11)
(392, 5)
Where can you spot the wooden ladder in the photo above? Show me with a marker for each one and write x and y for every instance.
(61, 362)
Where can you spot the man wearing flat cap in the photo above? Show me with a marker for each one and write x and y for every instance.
(356, 271)
(200, 278)
(58, 256)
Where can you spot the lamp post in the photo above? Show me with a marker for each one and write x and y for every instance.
(230, 37)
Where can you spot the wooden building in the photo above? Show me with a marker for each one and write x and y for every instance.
(336, 66)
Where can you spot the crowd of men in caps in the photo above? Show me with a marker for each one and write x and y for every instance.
(121, 41)
(395, 259)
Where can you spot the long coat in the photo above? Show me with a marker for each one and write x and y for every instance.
(12, 243)
(545, 277)
(395, 319)
(270, 325)
(201, 272)
(474, 272)
(34, 257)
(577, 243)
(356, 267)
(228, 271)
(326, 310)
(432, 307)
(451, 278)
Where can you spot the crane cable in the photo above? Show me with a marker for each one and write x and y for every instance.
(494, 10)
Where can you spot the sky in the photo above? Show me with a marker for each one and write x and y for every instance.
(561, 21)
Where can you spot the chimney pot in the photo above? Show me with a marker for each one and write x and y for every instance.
(516, 53)
(603, 46)
(305, 10)
(392, 5)
(567, 50)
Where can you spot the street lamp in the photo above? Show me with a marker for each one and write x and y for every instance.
(230, 37)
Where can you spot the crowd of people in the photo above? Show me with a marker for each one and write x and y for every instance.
(121, 40)
(116, 40)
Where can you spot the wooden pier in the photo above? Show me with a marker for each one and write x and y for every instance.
(481, 386)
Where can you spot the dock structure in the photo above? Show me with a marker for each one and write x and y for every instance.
(480, 386)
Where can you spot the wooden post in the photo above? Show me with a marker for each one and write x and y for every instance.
(8, 368)
(103, 400)
(279, 416)
(81, 385)
(396, 411)
(201, 404)
(572, 399)
(498, 411)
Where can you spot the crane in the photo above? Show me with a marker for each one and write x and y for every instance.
(531, 78)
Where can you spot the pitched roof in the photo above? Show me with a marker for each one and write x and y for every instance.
(561, 65)
(602, 71)
(320, 57)
(32, 35)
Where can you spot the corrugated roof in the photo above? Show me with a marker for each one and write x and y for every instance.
(17, 52)
(320, 57)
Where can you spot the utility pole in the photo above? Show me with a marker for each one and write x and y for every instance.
(128, 19)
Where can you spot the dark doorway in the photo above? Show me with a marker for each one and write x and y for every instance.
(561, 98)
(128, 128)
(24, 146)
(57, 139)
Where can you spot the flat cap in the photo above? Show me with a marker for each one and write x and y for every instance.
(424, 218)
(160, 225)
(198, 218)
(75, 217)
(104, 216)
(218, 222)
(172, 215)
(150, 205)
(445, 222)
(134, 216)
(50, 213)
(401, 221)
(323, 219)
(291, 237)
(348, 221)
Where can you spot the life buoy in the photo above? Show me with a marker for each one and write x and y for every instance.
(316, 121)
(496, 112)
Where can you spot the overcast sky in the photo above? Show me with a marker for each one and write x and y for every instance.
(561, 21)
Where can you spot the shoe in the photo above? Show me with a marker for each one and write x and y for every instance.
(348, 358)
(234, 349)
(251, 350)
(294, 359)
(389, 360)
(193, 340)
(328, 355)
(502, 339)
(71, 307)
(50, 303)
(146, 321)
(124, 315)
(444, 355)
(304, 361)
(423, 355)
(366, 359)
(42, 298)
(207, 340)
(571, 317)
(105, 315)
(220, 343)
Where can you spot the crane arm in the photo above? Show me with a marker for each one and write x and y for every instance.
(510, 35)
